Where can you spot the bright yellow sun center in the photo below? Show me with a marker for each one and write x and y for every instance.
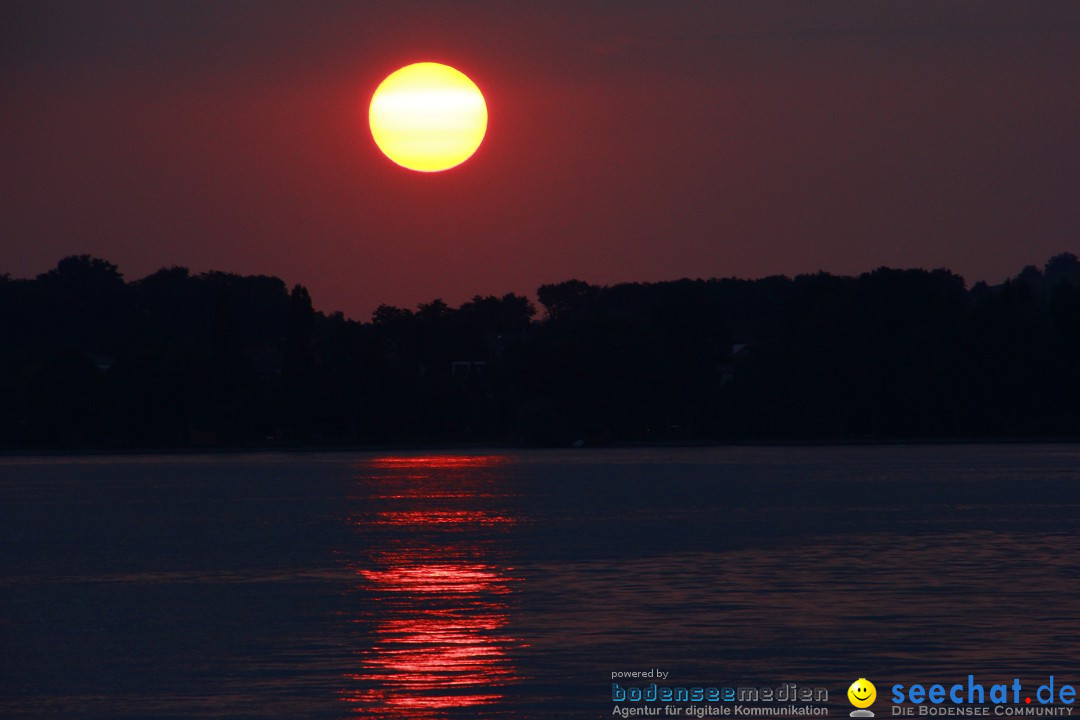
(428, 117)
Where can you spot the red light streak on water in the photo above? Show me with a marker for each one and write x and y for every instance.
(437, 462)
(440, 602)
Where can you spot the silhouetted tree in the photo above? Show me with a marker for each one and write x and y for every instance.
(173, 359)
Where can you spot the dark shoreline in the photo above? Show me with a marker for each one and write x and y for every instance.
(94, 363)
(416, 447)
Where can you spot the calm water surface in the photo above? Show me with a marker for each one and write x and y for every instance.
(512, 584)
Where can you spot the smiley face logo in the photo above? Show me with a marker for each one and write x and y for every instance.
(862, 693)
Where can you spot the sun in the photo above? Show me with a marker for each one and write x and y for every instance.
(428, 117)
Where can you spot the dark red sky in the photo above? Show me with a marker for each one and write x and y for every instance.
(627, 141)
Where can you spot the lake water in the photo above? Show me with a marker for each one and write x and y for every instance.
(513, 584)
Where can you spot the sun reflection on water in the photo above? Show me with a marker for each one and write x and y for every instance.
(438, 595)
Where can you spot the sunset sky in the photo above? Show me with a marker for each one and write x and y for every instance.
(626, 141)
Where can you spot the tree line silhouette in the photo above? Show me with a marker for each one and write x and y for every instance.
(89, 361)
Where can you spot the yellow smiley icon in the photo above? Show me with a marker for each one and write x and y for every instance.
(862, 693)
